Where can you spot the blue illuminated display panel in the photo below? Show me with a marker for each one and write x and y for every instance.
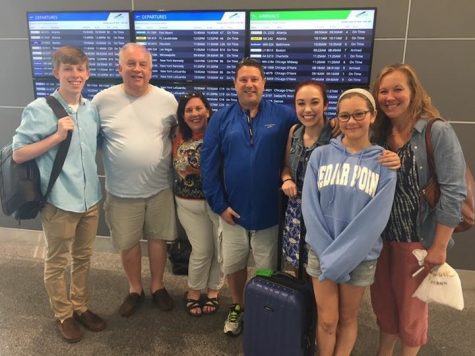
(44, 87)
(222, 95)
(285, 95)
(99, 34)
(192, 46)
(199, 50)
(330, 46)
(217, 95)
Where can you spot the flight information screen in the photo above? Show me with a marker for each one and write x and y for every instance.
(99, 34)
(192, 46)
(217, 95)
(331, 46)
(199, 50)
(45, 87)
(286, 96)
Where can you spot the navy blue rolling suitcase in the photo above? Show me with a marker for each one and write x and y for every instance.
(280, 316)
(280, 313)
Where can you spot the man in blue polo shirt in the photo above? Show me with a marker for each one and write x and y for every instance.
(71, 214)
(241, 157)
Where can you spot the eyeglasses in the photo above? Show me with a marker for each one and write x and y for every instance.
(357, 115)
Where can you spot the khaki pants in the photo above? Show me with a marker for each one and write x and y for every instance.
(68, 234)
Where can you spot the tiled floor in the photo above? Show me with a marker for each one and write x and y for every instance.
(27, 326)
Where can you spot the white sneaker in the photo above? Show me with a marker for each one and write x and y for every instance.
(234, 321)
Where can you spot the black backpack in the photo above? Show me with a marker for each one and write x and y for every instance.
(20, 191)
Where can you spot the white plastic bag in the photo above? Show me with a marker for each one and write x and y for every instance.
(442, 286)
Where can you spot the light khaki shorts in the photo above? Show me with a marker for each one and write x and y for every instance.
(132, 219)
(238, 243)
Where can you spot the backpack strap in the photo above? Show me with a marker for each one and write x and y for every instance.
(60, 112)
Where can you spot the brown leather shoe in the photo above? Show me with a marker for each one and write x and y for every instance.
(69, 330)
(131, 303)
(90, 320)
(162, 300)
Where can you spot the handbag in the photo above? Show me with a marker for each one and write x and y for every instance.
(20, 189)
(431, 190)
(179, 254)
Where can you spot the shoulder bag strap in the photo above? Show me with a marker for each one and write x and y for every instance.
(60, 112)
(430, 149)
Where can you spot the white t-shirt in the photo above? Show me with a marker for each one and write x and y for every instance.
(136, 147)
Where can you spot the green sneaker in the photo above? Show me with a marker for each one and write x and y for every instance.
(234, 321)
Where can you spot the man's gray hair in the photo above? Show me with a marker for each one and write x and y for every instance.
(134, 45)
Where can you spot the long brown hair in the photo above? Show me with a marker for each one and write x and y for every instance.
(419, 107)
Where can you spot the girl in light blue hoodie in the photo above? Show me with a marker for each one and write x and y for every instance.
(346, 202)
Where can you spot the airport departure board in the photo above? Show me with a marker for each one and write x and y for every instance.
(99, 34)
(44, 87)
(199, 50)
(217, 95)
(285, 95)
(190, 46)
(330, 46)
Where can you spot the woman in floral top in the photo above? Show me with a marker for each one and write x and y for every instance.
(196, 217)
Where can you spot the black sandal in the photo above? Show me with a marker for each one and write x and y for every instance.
(191, 304)
(211, 303)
